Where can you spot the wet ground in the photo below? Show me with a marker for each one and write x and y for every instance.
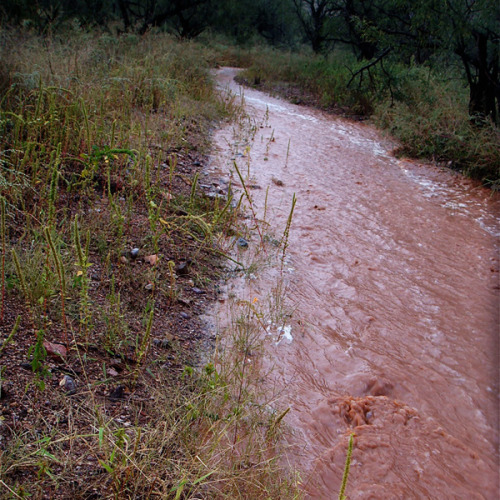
(392, 273)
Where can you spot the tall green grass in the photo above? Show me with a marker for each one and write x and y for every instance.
(80, 118)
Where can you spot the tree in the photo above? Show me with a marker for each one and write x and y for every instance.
(187, 18)
(315, 17)
(476, 41)
(417, 31)
(469, 29)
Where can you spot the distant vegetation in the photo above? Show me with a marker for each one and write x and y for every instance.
(426, 71)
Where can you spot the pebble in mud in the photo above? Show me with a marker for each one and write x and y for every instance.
(183, 268)
(134, 253)
(68, 384)
(162, 343)
(242, 243)
(118, 392)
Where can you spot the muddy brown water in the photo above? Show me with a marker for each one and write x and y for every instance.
(392, 272)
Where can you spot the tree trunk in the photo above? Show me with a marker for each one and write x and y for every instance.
(124, 12)
(484, 89)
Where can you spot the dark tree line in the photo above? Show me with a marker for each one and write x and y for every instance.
(467, 31)
(272, 20)
(415, 32)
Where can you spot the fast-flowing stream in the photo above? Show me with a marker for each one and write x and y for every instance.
(392, 272)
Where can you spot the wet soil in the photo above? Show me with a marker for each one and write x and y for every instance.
(392, 273)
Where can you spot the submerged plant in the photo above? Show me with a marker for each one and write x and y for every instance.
(346, 468)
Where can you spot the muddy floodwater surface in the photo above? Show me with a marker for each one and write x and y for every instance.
(392, 274)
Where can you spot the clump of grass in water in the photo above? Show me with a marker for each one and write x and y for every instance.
(249, 198)
(346, 469)
(286, 233)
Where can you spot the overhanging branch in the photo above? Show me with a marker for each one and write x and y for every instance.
(369, 65)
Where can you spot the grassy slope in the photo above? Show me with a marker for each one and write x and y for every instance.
(101, 144)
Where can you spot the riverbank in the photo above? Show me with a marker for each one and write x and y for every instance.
(113, 246)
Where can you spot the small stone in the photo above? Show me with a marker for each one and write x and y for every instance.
(118, 392)
(198, 291)
(278, 182)
(162, 343)
(117, 364)
(68, 384)
(123, 259)
(242, 243)
(134, 253)
(112, 372)
(151, 259)
(149, 287)
(55, 350)
(213, 195)
(184, 315)
(183, 268)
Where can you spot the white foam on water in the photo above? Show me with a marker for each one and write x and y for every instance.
(284, 333)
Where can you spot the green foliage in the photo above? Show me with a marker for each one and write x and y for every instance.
(12, 334)
(98, 143)
(39, 354)
(431, 121)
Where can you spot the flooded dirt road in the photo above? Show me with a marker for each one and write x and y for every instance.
(392, 273)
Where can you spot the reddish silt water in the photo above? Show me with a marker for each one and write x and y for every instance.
(392, 270)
